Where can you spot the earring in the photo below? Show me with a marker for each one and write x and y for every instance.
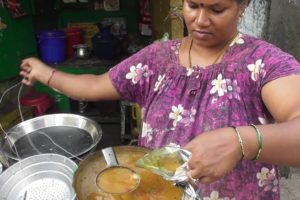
(241, 18)
(241, 21)
(242, 15)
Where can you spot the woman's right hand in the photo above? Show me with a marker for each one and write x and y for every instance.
(33, 69)
(214, 154)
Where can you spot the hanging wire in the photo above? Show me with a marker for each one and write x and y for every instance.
(12, 144)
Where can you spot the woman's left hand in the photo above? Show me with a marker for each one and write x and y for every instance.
(214, 154)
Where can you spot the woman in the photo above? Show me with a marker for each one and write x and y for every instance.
(203, 92)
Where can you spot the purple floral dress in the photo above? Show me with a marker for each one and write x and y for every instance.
(179, 103)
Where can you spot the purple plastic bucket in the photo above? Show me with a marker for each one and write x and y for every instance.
(52, 46)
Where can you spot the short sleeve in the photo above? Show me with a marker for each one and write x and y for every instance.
(132, 77)
(278, 64)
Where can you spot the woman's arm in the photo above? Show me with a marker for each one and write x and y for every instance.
(281, 141)
(217, 152)
(83, 87)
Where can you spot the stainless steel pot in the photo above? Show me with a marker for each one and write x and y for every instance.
(81, 51)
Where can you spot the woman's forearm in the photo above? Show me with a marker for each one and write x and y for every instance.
(280, 143)
(83, 87)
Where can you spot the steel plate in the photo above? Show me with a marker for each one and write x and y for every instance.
(65, 134)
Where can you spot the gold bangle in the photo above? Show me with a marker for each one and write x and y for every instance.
(259, 142)
(240, 141)
(52, 73)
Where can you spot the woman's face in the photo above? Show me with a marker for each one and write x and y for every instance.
(212, 22)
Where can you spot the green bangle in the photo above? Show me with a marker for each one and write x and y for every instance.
(240, 141)
(259, 142)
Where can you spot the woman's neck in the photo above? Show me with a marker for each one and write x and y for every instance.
(199, 55)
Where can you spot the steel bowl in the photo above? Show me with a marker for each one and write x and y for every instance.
(81, 51)
(69, 135)
(43, 177)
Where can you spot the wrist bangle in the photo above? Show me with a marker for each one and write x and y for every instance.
(240, 141)
(259, 142)
(52, 74)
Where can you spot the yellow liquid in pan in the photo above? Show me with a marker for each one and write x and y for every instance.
(118, 180)
(151, 186)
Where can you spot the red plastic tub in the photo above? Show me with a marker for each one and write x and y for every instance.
(74, 37)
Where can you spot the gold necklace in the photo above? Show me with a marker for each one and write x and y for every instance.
(217, 58)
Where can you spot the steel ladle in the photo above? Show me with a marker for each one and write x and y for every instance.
(112, 163)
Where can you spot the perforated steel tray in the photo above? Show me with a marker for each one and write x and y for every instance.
(43, 177)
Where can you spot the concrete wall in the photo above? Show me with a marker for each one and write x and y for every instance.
(255, 20)
(277, 21)
(284, 25)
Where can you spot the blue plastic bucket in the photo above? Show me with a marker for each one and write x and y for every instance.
(52, 46)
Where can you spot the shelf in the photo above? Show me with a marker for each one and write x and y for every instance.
(129, 10)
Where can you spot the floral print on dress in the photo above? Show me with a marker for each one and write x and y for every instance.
(147, 131)
(263, 120)
(233, 89)
(214, 195)
(175, 48)
(176, 114)
(242, 182)
(267, 179)
(190, 71)
(159, 82)
(183, 116)
(237, 40)
(219, 86)
(188, 116)
(257, 69)
(139, 73)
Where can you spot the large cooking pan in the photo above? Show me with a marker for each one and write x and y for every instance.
(69, 135)
(151, 186)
